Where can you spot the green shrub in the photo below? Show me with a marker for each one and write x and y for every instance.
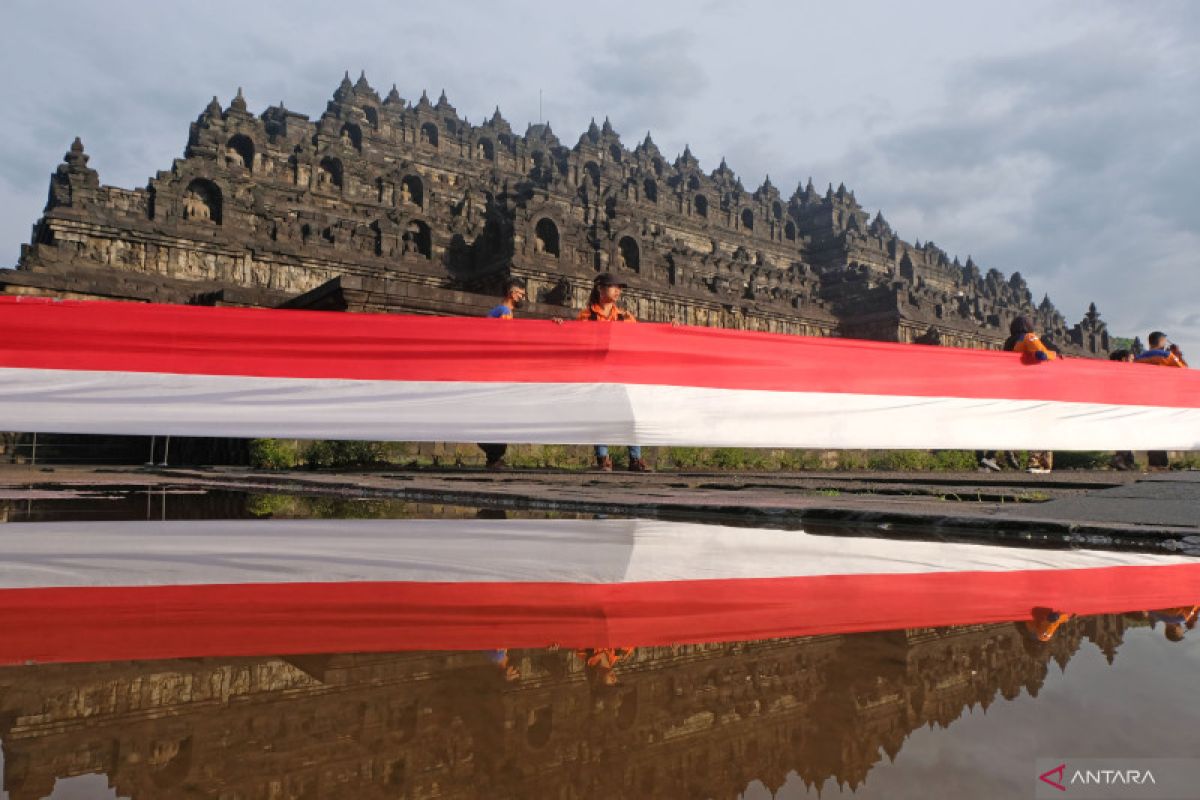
(283, 506)
(1186, 461)
(682, 457)
(954, 460)
(900, 460)
(272, 505)
(800, 460)
(852, 459)
(338, 453)
(728, 457)
(1081, 459)
(274, 453)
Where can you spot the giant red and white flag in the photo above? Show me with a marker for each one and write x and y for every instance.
(100, 591)
(119, 368)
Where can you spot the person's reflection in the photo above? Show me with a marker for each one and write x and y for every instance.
(600, 663)
(1176, 621)
(507, 668)
(1045, 623)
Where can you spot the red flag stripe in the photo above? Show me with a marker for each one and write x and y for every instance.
(156, 622)
(167, 339)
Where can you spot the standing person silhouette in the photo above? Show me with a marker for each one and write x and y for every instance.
(1161, 354)
(1122, 459)
(514, 296)
(1023, 339)
(604, 306)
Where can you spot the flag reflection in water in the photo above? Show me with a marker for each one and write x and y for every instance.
(524, 658)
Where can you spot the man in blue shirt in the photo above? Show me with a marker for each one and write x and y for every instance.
(514, 296)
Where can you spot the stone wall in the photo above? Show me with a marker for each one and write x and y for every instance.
(277, 205)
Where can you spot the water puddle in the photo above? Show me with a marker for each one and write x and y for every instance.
(949, 711)
(114, 503)
(234, 644)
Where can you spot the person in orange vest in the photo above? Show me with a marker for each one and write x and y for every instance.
(1045, 623)
(604, 306)
(600, 663)
(1161, 354)
(1023, 339)
(1176, 621)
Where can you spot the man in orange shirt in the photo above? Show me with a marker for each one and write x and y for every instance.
(1023, 339)
(1045, 623)
(1161, 354)
(603, 306)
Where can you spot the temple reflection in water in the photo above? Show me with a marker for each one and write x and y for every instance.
(695, 720)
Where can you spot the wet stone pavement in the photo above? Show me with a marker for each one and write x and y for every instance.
(1160, 510)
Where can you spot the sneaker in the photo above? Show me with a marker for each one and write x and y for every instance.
(1038, 471)
(638, 465)
(990, 464)
(604, 463)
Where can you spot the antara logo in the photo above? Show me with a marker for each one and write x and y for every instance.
(1057, 784)
(1103, 777)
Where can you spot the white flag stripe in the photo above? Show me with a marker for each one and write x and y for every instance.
(67, 554)
(147, 403)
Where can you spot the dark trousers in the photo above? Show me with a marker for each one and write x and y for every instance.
(493, 452)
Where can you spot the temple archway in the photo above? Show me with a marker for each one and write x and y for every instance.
(650, 190)
(202, 202)
(539, 727)
(546, 237)
(700, 203)
(592, 172)
(239, 150)
(628, 254)
(417, 239)
(352, 136)
(329, 173)
(429, 134)
(412, 190)
(748, 219)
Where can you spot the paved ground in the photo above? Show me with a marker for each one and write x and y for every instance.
(1158, 508)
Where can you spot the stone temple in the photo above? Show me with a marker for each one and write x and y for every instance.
(385, 205)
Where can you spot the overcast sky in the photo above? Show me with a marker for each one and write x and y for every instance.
(1061, 140)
